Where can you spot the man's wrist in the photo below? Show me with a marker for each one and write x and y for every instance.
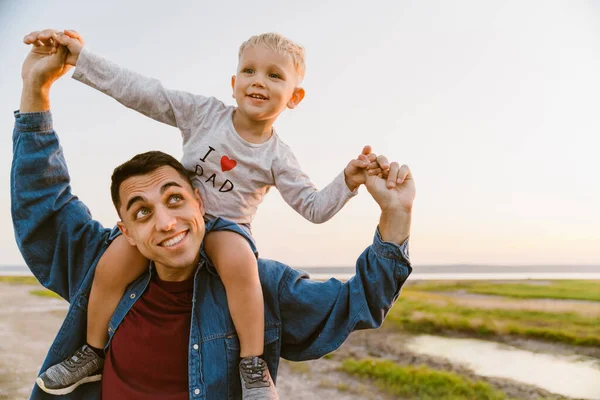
(35, 97)
(394, 225)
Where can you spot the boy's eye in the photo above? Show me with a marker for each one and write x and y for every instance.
(176, 198)
(142, 212)
(248, 71)
(274, 76)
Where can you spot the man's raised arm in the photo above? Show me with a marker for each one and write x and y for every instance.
(317, 317)
(54, 230)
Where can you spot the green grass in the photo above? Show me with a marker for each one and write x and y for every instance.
(421, 382)
(421, 312)
(556, 289)
(23, 280)
(44, 293)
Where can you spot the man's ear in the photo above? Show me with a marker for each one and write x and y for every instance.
(296, 98)
(199, 199)
(125, 233)
(233, 86)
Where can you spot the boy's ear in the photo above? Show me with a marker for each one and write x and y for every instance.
(296, 98)
(233, 86)
(125, 233)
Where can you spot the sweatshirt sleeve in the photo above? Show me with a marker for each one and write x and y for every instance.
(300, 193)
(142, 94)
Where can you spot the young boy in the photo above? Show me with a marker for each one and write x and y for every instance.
(234, 156)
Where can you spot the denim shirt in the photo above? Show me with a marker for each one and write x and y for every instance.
(62, 244)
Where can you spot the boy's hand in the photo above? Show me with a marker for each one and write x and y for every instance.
(356, 170)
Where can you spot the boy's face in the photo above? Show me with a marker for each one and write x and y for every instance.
(265, 83)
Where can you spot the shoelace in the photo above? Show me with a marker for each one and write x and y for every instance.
(77, 359)
(254, 372)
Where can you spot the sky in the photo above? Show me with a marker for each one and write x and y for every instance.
(493, 105)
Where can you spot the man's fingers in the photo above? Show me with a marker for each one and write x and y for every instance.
(375, 171)
(366, 150)
(383, 162)
(393, 175)
(403, 174)
(31, 38)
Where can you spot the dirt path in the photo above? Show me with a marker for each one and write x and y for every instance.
(27, 326)
(29, 323)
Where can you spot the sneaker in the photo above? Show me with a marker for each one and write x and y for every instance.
(256, 380)
(84, 366)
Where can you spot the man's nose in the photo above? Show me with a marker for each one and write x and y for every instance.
(165, 220)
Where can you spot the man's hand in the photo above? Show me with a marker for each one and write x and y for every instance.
(42, 66)
(355, 170)
(394, 191)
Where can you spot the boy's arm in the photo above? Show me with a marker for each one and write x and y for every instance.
(136, 91)
(301, 194)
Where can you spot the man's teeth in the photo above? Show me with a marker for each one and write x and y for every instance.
(258, 96)
(173, 241)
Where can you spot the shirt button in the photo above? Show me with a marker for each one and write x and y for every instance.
(195, 347)
(132, 295)
(197, 391)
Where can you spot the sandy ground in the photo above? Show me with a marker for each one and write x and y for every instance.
(29, 323)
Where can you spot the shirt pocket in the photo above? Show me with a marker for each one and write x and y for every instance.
(232, 345)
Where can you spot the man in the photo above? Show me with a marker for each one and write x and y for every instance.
(171, 336)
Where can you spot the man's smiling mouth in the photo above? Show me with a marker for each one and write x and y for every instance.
(174, 240)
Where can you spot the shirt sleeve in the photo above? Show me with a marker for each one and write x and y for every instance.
(55, 232)
(300, 193)
(140, 93)
(317, 317)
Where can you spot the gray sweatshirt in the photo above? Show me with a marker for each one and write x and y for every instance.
(231, 174)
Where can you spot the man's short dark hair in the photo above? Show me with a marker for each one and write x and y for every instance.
(143, 164)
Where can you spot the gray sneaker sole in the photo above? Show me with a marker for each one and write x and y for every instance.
(68, 389)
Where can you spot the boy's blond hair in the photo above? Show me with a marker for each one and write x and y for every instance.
(281, 44)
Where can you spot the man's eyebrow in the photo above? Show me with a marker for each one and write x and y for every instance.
(163, 189)
(167, 185)
(133, 200)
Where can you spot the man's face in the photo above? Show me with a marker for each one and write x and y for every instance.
(265, 83)
(162, 215)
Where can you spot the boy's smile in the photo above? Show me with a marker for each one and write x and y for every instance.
(264, 86)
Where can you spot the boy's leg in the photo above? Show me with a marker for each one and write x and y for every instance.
(120, 265)
(238, 269)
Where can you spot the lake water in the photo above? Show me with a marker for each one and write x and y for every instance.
(573, 376)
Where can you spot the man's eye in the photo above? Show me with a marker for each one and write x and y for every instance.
(176, 198)
(142, 212)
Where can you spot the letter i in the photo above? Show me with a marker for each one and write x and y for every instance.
(206, 155)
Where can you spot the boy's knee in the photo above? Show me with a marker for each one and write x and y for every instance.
(231, 254)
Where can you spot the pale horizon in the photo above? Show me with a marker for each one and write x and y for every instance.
(494, 106)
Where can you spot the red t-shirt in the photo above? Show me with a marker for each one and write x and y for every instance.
(148, 355)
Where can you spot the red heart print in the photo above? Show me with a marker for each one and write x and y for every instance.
(227, 163)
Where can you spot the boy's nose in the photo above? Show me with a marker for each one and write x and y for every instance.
(258, 82)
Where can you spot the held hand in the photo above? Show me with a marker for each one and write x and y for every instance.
(355, 170)
(394, 190)
(43, 65)
(73, 41)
